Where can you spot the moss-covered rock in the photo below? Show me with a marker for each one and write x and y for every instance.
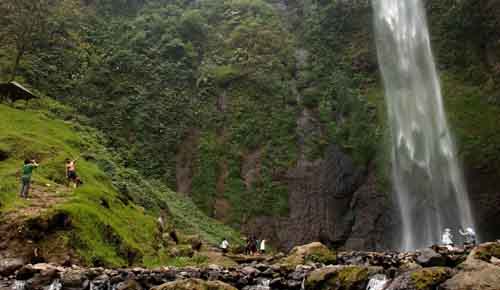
(340, 277)
(476, 273)
(428, 278)
(421, 279)
(194, 284)
(181, 251)
(486, 251)
(314, 252)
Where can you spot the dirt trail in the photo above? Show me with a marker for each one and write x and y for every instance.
(15, 235)
(41, 198)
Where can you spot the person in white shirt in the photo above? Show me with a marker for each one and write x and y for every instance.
(262, 246)
(224, 245)
(469, 235)
(446, 239)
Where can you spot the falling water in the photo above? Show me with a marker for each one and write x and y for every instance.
(426, 174)
(56, 285)
(377, 282)
(19, 285)
(261, 285)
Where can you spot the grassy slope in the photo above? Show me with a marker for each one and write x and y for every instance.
(100, 235)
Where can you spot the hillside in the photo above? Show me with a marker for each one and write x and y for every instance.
(110, 220)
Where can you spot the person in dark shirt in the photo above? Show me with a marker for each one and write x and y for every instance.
(26, 173)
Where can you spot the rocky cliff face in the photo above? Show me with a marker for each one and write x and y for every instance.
(333, 201)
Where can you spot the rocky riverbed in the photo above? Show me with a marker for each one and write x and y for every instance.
(311, 266)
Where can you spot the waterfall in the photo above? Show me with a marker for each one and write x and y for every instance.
(426, 174)
(19, 285)
(263, 284)
(56, 285)
(377, 282)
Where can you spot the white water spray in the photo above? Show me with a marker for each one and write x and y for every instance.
(56, 285)
(19, 285)
(377, 282)
(426, 173)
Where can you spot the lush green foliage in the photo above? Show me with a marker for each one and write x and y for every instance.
(124, 231)
(337, 34)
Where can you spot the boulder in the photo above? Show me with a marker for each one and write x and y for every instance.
(181, 251)
(129, 284)
(73, 278)
(340, 277)
(430, 258)
(45, 278)
(249, 271)
(194, 284)
(314, 252)
(487, 251)
(421, 279)
(477, 272)
(409, 266)
(9, 266)
(100, 283)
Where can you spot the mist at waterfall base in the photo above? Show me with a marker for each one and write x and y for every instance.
(427, 178)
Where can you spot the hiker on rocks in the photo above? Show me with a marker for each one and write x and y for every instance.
(469, 236)
(27, 171)
(251, 246)
(224, 245)
(262, 246)
(71, 173)
(247, 246)
(447, 239)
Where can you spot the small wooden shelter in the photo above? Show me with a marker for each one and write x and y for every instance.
(14, 91)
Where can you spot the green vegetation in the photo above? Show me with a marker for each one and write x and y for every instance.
(429, 278)
(475, 122)
(148, 73)
(114, 213)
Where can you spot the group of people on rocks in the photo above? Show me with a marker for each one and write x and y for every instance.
(469, 237)
(253, 246)
(31, 164)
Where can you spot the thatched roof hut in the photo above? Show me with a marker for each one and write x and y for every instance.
(14, 91)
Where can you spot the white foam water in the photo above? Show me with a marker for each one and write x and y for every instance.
(377, 282)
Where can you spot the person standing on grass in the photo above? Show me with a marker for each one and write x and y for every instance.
(27, 171)
(71, 173)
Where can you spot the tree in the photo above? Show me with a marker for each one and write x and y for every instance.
(21, 23)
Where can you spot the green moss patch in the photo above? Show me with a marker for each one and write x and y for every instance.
(339, 277)
(486, 251)
(428, 278)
